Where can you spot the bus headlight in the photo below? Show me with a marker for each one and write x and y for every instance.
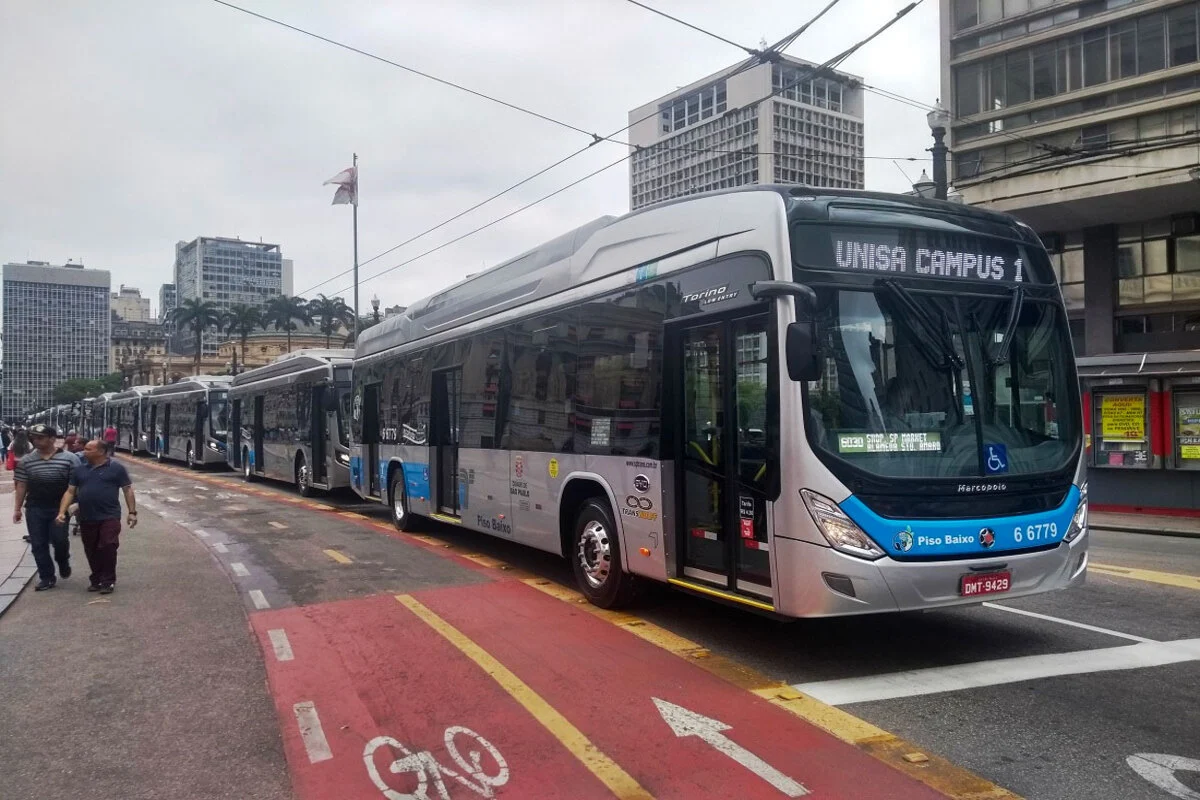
(343, 459)
(838, 529)
(1079, 521)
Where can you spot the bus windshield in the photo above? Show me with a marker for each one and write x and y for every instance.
(937, 384)
(218, 414)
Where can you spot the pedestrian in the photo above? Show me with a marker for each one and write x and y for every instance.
(110, 439)
(20, 447)
(96, 484)
(72, 444)
(5, 441)
(42, 477)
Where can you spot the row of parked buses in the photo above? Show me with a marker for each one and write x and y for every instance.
(804, 401)
(285, 421)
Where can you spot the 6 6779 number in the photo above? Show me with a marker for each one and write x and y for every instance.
(1041, 532)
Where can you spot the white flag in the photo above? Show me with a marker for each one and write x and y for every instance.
(347, 183)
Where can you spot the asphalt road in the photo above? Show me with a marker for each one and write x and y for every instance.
(1049, 703)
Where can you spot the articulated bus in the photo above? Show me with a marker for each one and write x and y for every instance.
(128, 412)
(289, 420)
(189, 420)
(808, 402)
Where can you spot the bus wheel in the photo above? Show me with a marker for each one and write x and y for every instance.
(596, 558)
(247, 472)
(398, 500)
(158, 452)
(191, 456)
(303, 477)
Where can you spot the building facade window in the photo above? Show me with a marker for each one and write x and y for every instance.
(693, 108)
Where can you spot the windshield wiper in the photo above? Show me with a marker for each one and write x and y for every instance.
(939, 335)
(1014, 316)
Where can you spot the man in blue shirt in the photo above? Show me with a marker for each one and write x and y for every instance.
(96, 485)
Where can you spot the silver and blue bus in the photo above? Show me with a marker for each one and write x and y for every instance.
(808, 402)
(289, 420)
(127, 411)
(188, 421)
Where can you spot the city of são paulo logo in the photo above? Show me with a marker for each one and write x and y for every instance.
(904, 539)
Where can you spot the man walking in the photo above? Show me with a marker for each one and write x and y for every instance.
(41, 478)
(96, 484)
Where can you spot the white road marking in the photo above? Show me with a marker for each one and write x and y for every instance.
(259, 599)
(280, 643)
(915, 682)
(1062, 621)
(278, 525)
(174, 500)
(200, 533)
(239, 569)
(220, 548)
(311, 732)
(201, 488)
(1160, 769)
(688, 723)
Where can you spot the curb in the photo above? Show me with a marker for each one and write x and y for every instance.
(1147, 531)
(15, 580)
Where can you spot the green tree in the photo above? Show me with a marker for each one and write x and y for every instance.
(330, 314)
(284, 312)
(198, 315)
(241, 320)
(76, 389)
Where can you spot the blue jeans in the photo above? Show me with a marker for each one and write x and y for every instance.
(43, 532)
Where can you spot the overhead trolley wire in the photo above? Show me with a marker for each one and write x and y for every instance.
(812, 72)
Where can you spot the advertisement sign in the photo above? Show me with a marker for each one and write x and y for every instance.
(1187, 427)
(1123, 417)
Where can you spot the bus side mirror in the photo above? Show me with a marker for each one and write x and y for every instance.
(803, 351)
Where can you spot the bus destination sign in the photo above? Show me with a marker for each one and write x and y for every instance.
(857, 255)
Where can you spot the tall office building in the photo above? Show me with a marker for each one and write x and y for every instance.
(714, 134)
(166, 301)
(129, 305)
(1081, 118)
(56, 327)
(225, 272)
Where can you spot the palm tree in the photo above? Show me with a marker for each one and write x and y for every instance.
(242, 320)
(330, 313)
(284, 312)
(199, 315)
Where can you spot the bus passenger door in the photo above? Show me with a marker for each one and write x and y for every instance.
(723, 453)
(318, 432)
(371, 438)
(233, 440)
(164, 430)
(257, 456)
(444, 420)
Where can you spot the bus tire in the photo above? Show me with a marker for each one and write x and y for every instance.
(158, 453)
(247, 471)
(303, 477)
(402, 518)
(596, 557)
(191, 456)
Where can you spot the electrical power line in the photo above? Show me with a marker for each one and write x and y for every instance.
(697, 28)
(812, 72)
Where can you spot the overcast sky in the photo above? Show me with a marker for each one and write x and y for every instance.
(129, 125)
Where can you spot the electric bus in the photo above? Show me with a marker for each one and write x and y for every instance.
(289, 420)
(809, 402)
(128, 412)
(189, 420)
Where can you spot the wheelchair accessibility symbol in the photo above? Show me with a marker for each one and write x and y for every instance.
(995, 458)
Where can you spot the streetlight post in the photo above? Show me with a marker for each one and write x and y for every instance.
(939, 120)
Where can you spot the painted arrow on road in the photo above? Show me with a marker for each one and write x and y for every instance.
(1160, 769)
(688, 723)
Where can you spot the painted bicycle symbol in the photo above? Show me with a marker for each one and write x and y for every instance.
(428, 772)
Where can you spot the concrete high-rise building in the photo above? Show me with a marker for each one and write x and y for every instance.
(714, 135)
(225, 272)
(56, 327)
(166, 301)
(1083, 120)
(129, 305)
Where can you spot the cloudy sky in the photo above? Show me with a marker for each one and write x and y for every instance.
(129, 125)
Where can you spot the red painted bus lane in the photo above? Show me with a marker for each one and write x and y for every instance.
(374, 703)
(679, 731)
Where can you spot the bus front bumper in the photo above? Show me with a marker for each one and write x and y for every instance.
(818, 581)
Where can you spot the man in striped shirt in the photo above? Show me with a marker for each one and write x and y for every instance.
(41, 479)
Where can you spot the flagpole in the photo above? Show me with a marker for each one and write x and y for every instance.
(356, 319)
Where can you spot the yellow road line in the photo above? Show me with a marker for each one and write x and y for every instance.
(619, 782)
(341, 558)
(1148, 575)
(351, 515)
(931, 770)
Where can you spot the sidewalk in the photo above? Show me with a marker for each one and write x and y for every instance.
(1145, 523)
(16, 562)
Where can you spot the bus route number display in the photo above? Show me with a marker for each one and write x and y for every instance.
(856, 255)
(924, 442)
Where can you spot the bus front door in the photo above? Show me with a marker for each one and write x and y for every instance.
(318, 434)
(257, 456)
(444, 420)
(722, 452)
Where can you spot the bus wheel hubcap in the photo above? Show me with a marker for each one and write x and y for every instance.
(595, 553)
(303, 475)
